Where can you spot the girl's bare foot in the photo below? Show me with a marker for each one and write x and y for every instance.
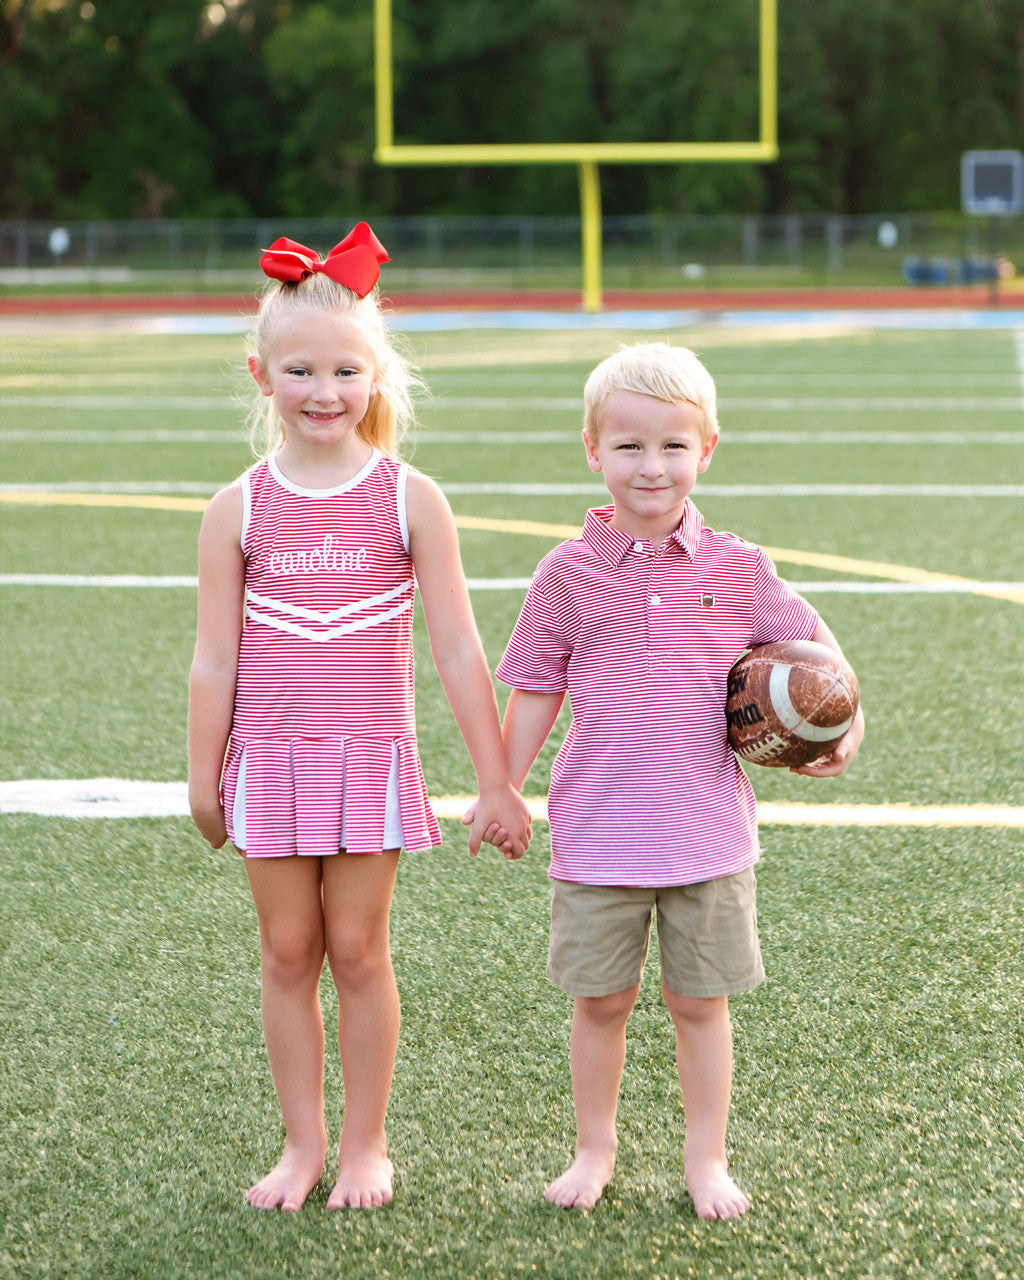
(583, 1183)
(713, 1192)
(290, 1181)
(364, 1182)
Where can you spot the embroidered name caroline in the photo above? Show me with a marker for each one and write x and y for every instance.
(328, 558)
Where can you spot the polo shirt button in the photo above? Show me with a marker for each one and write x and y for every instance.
(638, 546)
(655, 599)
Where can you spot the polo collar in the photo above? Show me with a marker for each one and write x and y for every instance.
(612, 544)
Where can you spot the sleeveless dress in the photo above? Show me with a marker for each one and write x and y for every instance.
(322, 755)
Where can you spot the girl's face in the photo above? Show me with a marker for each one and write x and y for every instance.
(320, 369)
(650, 453)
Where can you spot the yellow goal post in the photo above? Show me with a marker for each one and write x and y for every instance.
(585, 155)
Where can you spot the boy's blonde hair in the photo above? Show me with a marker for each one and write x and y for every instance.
(390, 413)
(672, 374)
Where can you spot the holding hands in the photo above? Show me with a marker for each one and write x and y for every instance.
(499, 817)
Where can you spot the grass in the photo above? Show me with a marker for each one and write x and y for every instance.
(879, 1070)
(874, 1122)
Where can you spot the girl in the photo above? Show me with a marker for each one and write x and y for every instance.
(302, 746)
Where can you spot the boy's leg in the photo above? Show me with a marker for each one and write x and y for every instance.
(357, 905)
(286, 892)
(597, 1056)
(704, 1058)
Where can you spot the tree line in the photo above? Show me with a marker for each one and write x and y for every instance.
(119, 109)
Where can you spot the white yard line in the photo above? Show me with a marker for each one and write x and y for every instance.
(728, 437)
(97, 580)
(190, 582)
(78, 435)
(587, 490)
(427, 436)
(1019, 335)
(124, 798)
(776, 404)
(200, 487)
(759, 490)
(547, 404)
(117, 404)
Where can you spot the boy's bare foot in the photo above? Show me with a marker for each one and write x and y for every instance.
(364, 1182)
(713, 1192)
(583, 1183)
(290, 1181)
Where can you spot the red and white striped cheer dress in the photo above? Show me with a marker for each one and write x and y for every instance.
(323, 755)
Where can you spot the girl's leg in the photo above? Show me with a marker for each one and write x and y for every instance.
(288, 901)
(357, 905)
(597, 1055)
(704, 1058)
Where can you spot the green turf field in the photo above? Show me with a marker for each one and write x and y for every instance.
(879, 1070)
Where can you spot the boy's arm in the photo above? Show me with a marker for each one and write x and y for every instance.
(528, 721)
(462, 667)
(215, 663)
(840, 757)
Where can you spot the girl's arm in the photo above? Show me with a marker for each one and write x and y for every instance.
(840, 757)
(215, 663)
(461, 665)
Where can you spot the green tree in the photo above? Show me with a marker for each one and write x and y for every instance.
(884, 98)
(118, 139)
(225, 83)
(31, 159)
(145, 108)
(320, 72)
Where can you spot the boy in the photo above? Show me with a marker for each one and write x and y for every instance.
(639, 620)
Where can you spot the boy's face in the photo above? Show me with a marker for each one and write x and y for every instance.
(650, 453)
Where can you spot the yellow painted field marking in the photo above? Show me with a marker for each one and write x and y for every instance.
(894, 572)
(529, 527)
(152, 501)
(540, 529)
(813, 559)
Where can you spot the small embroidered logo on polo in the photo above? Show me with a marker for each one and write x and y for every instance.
(707, 600)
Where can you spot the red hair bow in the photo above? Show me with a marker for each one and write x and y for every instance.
(353, 262)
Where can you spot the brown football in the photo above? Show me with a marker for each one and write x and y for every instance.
(789, 703)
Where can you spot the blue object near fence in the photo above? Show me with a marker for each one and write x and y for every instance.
(978, 270)
(935, 271)
(927, 271)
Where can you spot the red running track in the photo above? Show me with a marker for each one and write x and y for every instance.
(969, 298)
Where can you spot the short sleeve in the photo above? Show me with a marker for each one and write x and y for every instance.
(779, 612)
(537, 657)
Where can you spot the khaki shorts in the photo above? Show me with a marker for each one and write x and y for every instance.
(707, 937)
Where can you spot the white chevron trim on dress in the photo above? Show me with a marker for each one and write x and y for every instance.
(347, 628)
(314, 615)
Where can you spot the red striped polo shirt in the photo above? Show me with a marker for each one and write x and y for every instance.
(645, 789)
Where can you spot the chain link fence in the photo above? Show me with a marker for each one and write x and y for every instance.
(453, 253)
